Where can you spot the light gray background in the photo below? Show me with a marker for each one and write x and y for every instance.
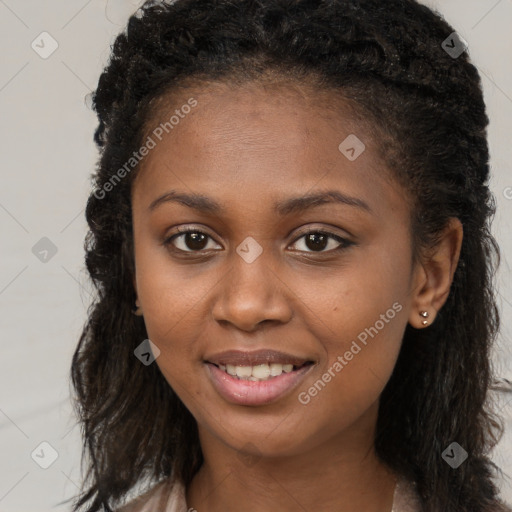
(47, 155)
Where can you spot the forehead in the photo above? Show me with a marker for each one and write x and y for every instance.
(254, 138)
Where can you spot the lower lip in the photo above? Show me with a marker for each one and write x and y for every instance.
(248, 392)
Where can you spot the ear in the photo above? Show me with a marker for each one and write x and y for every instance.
(138, 310)
(434, 276)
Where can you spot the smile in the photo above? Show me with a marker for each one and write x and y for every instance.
(260, 372)
(256, 378)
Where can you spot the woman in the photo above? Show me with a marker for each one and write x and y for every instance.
(289, 235)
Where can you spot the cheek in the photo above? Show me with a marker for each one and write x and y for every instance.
(360, 316)
(172, 295)
(370, 292)
(360, 357)
(171, 310)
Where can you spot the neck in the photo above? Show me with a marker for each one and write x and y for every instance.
(342, 474)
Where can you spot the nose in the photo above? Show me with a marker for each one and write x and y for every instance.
(252, 294)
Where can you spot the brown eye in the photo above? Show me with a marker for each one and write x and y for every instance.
(318, 241)
(191, 240)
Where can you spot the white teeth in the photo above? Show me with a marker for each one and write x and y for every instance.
(243, 371)
(258, 372)
(276, 369)
(262, 371)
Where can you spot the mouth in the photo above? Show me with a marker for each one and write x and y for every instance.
(256, 378)
(260, 372)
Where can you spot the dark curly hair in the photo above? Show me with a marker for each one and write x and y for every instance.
(428, 117)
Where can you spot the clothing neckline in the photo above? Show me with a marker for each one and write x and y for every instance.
(405, 497)
(170, 496)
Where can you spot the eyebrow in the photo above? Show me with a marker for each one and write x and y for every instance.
(205, 204)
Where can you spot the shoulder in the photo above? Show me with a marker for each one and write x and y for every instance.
(166, 496)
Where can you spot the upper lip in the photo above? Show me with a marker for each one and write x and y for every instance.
(254, 358)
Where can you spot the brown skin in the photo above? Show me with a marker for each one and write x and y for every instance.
(248, 147)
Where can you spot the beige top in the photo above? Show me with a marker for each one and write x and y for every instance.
(165, 497)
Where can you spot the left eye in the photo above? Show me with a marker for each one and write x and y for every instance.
(318, 241)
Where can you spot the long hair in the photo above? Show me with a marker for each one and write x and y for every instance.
(429, 120)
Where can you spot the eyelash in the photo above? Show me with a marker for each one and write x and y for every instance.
(344, 243)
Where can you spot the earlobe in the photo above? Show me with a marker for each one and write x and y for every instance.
(137, 310)
(437, 276)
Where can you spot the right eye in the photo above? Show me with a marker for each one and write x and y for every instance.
(190, 240)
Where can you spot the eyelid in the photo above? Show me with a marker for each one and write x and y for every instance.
(322, 229)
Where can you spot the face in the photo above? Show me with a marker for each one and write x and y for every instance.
(262, 245)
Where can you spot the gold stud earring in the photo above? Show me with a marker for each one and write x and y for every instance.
(424, 314)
